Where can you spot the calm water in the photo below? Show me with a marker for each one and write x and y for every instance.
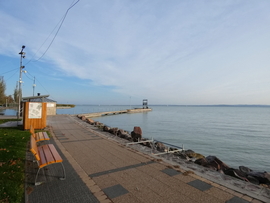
(236, 135)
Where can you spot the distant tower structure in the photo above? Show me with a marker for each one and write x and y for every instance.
(145, 104)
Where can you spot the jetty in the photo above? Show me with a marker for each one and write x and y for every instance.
(107, 113)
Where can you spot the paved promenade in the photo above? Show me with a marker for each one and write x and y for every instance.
(100, 169)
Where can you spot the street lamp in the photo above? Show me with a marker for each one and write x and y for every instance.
(20, 82)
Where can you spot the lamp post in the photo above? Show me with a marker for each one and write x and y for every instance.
(20, 82)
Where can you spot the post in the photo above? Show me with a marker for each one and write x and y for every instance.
(20, 82)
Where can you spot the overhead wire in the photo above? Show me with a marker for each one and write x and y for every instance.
(38, 82)
(11, 76)
(59, 27)
(61, 23)
(27, 75)
(9, 71)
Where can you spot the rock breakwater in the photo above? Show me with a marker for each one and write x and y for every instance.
(212, 162)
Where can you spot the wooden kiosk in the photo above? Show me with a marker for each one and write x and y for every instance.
(35, 114)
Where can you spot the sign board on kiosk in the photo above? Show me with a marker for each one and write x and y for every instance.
(35, 113)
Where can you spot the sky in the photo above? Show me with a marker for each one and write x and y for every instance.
(119, 52)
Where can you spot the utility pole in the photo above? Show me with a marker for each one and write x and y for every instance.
(20, 82)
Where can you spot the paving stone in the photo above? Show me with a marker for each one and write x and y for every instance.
(115, 191)
(200, 185)
(170, 171)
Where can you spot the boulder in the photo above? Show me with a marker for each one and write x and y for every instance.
(214, 161)
(90, 121)
(106, 128)
(160, 146)
(246, 174)
(126, 136)
(83, 118)
(136, 134)
(262, 177)
(113, 131)
(120, 132)
(191, 154)
(236, 173)
(182, 155)
(201, 161)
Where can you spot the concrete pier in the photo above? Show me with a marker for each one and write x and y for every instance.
(99, 114)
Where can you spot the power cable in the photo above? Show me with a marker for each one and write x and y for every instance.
(61, 23)
(10, 76)
(9, 71)
(39, 82)
(28, 76)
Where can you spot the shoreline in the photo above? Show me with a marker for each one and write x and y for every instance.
(209, 162)
(64, 107)
(243, 187)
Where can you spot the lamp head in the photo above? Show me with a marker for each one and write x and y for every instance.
(23, 46)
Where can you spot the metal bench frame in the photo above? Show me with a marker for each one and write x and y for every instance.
(45, 155)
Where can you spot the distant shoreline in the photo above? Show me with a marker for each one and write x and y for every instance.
(65, 106)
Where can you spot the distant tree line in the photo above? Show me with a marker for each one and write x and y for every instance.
(7, 98)
(65, 105)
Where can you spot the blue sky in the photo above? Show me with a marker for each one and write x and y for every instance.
(121, 52)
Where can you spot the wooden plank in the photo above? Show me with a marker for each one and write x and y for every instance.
(38, 138)
(32, 130)
(41, 137)
(55, 153)
(48, 154)
(46, 136)
(43, 161)
(34, 148)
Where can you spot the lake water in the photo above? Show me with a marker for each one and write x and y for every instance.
(236, 135)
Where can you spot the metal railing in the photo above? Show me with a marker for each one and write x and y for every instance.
(170, 148)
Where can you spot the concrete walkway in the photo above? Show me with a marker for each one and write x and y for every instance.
(100, 169)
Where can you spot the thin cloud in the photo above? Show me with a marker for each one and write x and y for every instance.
(184, 52)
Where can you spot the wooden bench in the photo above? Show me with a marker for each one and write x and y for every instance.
(39, 136)
(45, 155)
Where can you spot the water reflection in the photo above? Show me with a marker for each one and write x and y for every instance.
(8, 112)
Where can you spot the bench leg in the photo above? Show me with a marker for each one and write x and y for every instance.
(37, 183)
(64, 172)
(62, 178)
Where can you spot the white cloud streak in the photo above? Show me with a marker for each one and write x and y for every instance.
(187, 52)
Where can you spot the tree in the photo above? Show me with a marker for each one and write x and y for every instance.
(2, 90)
(9, 99)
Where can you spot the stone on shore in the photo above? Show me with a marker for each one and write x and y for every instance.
(113, 131)
(160, 146)
(212, 162)
(191, 154)
(136, 134)
(90, 121)
(106, 128)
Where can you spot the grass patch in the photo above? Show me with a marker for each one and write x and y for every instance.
(13, 145)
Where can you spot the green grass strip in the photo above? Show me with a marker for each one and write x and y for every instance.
(13, 146)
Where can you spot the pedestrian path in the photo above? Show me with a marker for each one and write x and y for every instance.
(100, 169)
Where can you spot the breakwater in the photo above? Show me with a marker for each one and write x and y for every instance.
(210, 162)
(107, 113)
